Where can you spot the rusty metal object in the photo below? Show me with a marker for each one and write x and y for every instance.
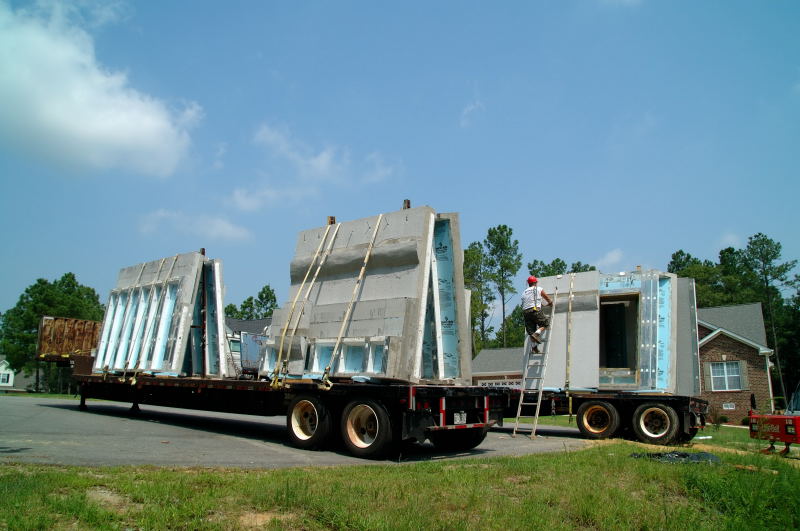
(62, 339)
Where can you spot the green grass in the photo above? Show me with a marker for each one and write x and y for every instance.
(598, 488)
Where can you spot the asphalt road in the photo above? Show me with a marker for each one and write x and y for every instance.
(54, 431)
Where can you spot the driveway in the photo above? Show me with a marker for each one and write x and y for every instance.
(54, 431)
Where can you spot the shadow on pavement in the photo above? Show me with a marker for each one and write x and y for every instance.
(273, 429)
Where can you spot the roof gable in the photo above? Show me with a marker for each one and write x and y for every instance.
(251, 326)
(764, 351)
(743, 320)
(497, 360)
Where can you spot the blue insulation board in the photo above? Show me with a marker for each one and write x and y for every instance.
(443, 246)
(663, 352)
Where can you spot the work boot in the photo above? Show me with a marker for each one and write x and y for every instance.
(537, 337)
(535, 349)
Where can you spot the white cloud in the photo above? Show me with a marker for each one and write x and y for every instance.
(59, 104)
(377, 170)
(466, 113)
(219, 155)
(328, 163)
(728, 239)
(305, 171)
(252, 200)
(609, 260)
(210, 227)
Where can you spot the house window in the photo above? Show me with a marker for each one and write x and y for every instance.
(4, 378)
(726, 376)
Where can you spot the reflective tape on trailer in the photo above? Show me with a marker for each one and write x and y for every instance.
(412, 397)
(462, 426)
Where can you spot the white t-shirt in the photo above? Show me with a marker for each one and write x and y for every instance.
(532, 298)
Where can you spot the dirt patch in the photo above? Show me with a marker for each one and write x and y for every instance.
(110, 500)
(258, 520)
(459, 467)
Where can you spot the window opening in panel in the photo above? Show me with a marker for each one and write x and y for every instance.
(619, 332)
(377, 356)
(353, 357)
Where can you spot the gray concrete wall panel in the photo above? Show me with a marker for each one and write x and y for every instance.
(387, 301)
(665, 345)
(688, 368)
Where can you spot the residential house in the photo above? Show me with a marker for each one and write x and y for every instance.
(14, 381)
(500, 367)
(734, 359)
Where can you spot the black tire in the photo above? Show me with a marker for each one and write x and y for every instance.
(684, 437)
(597, 419)
(308, 422)
(457, 440)
(367, 429)
(656, 423)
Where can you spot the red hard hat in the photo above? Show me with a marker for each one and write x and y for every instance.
(532, 280)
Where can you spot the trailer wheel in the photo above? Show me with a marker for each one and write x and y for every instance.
(597, 419)
(308, 422)
(366, 428)
(655, 423)
(457, 440)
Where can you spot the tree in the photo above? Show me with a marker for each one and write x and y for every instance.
(512, 331)
(580, 267)
(503, 262)
(251, 308)
(753, 274)
(538, 268)
(476, 279)
(64, 297)
(680, 260)
(761, 258)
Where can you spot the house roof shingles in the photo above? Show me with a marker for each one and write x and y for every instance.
(745, 320)
(497, 360)
(254, 326)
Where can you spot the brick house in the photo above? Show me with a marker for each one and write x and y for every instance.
(734, 359)
(498, 367)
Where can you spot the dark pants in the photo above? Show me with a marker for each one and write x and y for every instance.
(534, 319)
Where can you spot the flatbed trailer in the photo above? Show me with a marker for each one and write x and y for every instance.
(372, 419)
(654, 418)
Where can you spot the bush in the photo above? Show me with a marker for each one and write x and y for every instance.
(723, 419)
(746, 421)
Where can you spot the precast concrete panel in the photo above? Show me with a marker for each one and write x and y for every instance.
(389, 302)
(687, 351)
(573, 352)
(150, 314)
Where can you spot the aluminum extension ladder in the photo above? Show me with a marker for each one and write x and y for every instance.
(534, 372)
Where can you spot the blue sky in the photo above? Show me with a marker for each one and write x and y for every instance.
(608, 131)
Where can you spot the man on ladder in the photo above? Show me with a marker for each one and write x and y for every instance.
(536, 322)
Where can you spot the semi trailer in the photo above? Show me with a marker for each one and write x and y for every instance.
(372, 346)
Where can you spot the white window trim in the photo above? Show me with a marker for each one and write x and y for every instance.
(725, 365)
